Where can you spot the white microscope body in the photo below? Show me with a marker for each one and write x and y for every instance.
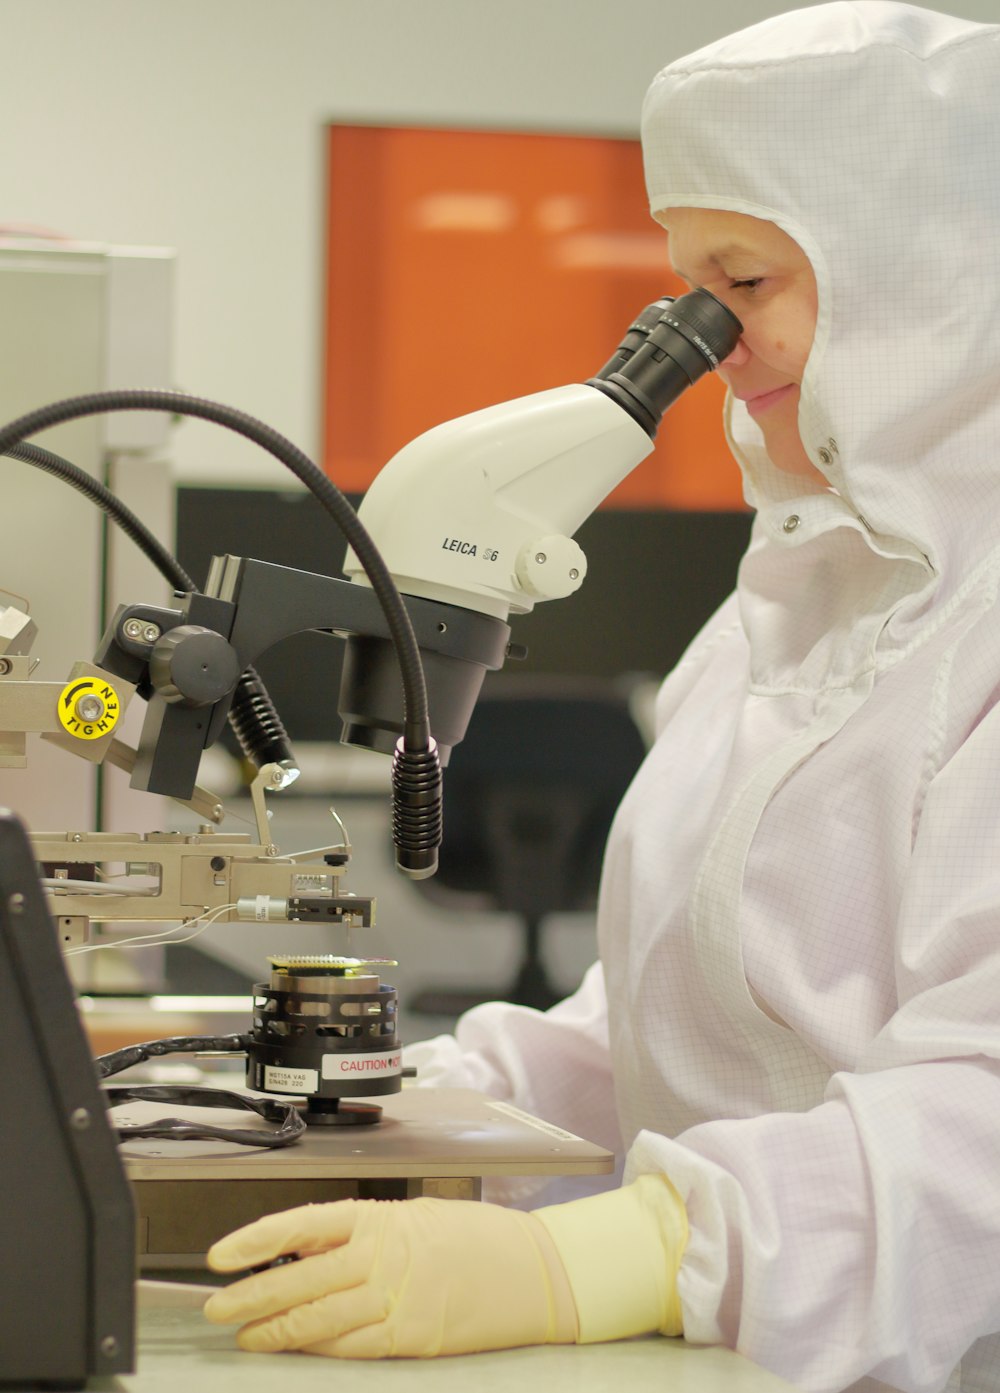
(480, 512)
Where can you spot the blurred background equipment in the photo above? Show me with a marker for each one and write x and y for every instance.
(82, 317)
(528, 801)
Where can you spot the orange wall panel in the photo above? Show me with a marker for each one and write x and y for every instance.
(469, 267)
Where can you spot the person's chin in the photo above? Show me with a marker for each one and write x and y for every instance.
(789, 455)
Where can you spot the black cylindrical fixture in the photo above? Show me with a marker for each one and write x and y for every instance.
(325, 1028)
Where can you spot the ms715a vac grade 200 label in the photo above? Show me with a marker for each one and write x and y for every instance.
(280, 1080)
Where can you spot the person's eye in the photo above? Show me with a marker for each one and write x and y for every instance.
(750, 284)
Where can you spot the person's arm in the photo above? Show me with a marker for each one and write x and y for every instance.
(553, 1064)
(860, 1238)
(380, 1278)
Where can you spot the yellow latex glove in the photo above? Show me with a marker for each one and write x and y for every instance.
(394, 1277)
(621, 1252)
(425, 1277)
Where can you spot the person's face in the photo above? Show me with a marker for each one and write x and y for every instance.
(765, 278)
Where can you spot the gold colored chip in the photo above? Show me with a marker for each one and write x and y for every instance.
(326, 964)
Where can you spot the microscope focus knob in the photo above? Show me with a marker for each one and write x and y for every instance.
(192, 666)
(550, 568)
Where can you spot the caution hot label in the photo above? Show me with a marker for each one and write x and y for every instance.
(362, 1066)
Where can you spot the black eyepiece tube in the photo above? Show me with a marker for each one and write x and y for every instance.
(636, 335)
(666, 349)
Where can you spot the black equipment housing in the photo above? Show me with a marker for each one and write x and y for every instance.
(67, 1267)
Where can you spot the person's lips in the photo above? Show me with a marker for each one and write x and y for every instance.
(763, 401)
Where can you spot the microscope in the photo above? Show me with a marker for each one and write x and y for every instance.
(468, 524)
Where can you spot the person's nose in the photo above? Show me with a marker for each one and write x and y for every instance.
(738, 358)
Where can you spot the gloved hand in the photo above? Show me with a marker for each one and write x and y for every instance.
(395, 1277)
(426, 1277)
(621, 1252)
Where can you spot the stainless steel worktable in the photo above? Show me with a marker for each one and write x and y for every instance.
(431, 1141)
(178, 1349)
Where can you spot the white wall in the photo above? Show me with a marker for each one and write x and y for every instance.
(197, 124)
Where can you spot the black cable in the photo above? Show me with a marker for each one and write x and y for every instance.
(252, 716)
(291, 1122)
(416, 728)
(116, 510)
(117, 1060)
(416, 766)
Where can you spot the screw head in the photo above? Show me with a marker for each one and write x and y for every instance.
(79, 1118)
(90, 708)
(150, 632)
(132, 628)
(15, 902)
(109, 1346)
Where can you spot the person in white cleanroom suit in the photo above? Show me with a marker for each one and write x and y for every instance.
(794, 1036)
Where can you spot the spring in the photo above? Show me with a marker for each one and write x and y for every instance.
(256, 724)
(416, 780)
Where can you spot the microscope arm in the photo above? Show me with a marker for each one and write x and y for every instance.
(165, 877)
(186, 661)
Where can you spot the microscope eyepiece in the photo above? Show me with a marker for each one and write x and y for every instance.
(666, 349)
(706, 322)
